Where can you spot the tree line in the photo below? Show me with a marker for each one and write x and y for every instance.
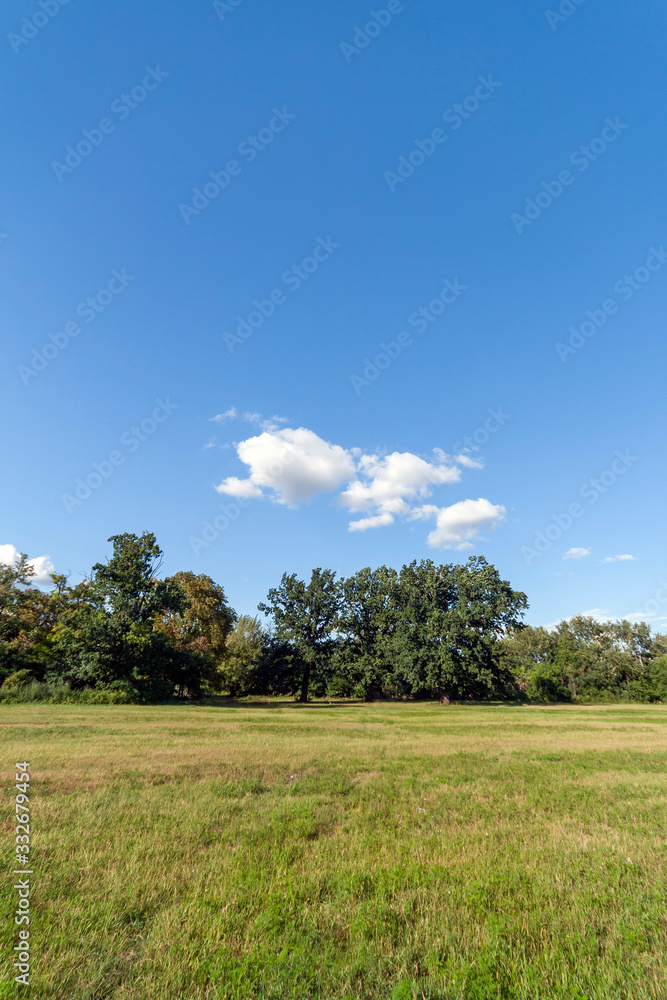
(452, 632)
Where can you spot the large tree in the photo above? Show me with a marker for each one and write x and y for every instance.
(367, 621)
(203, 623)
(110, 636)
(450, 620)
(305, 616)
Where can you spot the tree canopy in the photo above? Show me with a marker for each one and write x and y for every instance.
(454, 632)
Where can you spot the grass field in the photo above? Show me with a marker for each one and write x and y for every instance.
(380, 851)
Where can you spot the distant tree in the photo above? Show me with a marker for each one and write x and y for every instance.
(202, 624)
(14, 614)
(658, 676)
(27, 618)
(305, 616)
(242, 653)
(367, 621)
(524, 651)
(109, 637)
(451, 620)
(279, 669)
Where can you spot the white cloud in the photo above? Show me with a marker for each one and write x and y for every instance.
(295, 464)
(577, 553)
(251, 418)
(384, 480)
(459, 525)
(376, 521)
(42, 565)
(468, 462)
(229, 414)
(236, 487)
(623, 558)
(289, 466)
(600, 614)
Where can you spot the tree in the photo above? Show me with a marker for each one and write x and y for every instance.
(109, 637)
(367, 619)
(242, 653)
(451, 619)
(203, 623)
(27, 618)
(14, 614)
(525, 650)
(305, 615)
(659, 678)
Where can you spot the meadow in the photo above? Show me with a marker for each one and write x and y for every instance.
(352, 851)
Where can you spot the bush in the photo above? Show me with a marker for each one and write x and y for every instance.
(61, 693)
(17, 680)
(659, 678)
(545, 684)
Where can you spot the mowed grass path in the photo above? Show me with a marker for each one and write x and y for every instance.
(289, 852)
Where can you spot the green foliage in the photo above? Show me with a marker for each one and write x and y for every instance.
(17, 680)
(199, 626)
(111, 634)
(367, 621)
(658, 680)
(586, 660)
(448, 620)
(545, 683)
(305, 616)
(241, 656)
(452, 632)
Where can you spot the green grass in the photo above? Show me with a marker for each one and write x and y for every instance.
(289, 852)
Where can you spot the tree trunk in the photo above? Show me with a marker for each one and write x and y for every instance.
(305, 681)
(444, 699)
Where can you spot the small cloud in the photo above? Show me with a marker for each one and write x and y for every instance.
(577, 553)
(229, 414)
(623, 558)
(468, 462)
(236, 487)
(458, 526)
(600, 614)
(376, 521)
(209, 444)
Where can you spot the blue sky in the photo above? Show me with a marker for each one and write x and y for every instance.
(500, 168)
